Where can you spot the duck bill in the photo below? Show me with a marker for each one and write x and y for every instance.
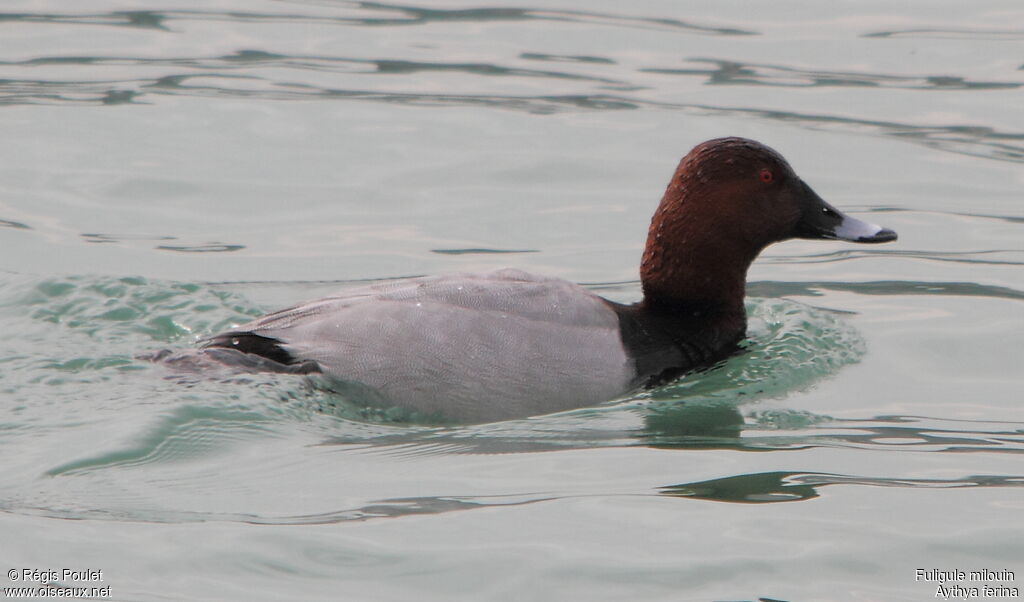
(821, 220)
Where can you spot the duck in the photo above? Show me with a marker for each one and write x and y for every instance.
(486, 347)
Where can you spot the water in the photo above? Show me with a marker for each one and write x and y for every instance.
(167, 171)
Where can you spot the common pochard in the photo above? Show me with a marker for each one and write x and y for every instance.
(508, 344)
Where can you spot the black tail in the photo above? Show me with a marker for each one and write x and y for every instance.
(264, 347)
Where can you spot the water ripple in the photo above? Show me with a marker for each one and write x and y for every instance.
(481, 251)
(579, 82)
(401, 15)
(120, 312)
(972, 140)
(248, 59)
(187, 432)
(730, 72)
(756, 488)
(4, 223)
(972, 257)
(951, 34)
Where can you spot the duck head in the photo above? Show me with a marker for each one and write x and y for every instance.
(728, 200)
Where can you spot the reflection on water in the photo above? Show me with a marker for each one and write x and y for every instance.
(758, 488)
(795, 430)
(770, 487)
(884, 287)
(193, 434)
(699, 426)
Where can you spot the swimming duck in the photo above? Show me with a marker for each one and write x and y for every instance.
(508, 344)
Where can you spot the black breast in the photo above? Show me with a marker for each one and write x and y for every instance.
(666, 343)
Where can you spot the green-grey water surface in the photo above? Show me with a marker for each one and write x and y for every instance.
(169, 169)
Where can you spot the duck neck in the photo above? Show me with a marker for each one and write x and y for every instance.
(696, 264)
(706, 288)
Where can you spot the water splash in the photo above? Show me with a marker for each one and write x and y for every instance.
(790, 346)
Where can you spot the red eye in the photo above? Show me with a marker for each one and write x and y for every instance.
(767, 176)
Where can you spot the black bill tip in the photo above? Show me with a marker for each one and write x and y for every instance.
(883, 235)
